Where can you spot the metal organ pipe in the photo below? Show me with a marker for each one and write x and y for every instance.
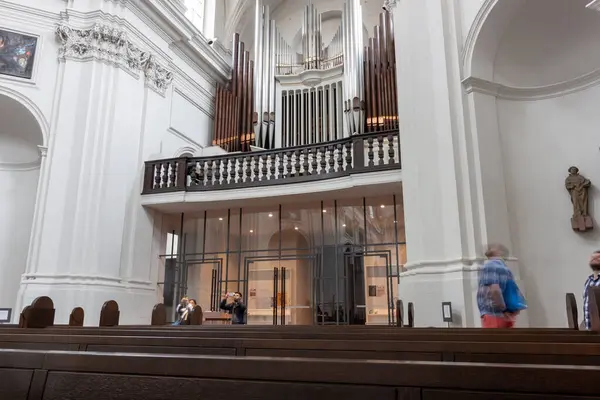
(258, 76)
(380, 77)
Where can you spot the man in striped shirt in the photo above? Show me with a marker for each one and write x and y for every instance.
(592, 280)
(493, 278)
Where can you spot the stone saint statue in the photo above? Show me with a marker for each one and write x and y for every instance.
(578, 187)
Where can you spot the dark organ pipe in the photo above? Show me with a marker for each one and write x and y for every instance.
(233, 118)
(380, 78)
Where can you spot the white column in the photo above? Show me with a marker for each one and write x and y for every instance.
(445, 217)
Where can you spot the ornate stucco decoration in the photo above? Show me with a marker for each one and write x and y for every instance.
(389, 5)
(157, 77)
(111, 45)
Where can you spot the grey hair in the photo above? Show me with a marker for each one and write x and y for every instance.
(493, 248)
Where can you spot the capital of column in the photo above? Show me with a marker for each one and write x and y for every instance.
(43, 150)
(390, 5)
(594, 5)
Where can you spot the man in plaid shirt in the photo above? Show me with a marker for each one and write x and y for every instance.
(492, 282)
(592, 280)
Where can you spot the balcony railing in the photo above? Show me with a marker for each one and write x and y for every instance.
(369, 152)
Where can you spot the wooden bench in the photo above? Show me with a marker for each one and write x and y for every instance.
(47, 375)
(420, 350)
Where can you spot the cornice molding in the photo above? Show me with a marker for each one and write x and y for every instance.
(27, 15)
(20, 166)
(182, 33)
(594, 5)
(477, 85)
(469, 47)
(194, 93)
(111, 45)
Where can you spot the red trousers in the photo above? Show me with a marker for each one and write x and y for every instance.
(490, 321)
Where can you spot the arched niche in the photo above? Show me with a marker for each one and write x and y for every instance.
(531, 71)
(21, 140)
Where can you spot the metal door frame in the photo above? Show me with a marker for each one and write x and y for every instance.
(280, 279)
(385, 254)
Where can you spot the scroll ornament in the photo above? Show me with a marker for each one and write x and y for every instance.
(111, 45)
(578, 188)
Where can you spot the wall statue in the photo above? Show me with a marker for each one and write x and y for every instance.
(578, 187)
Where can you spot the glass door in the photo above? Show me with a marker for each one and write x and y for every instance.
(281, 291)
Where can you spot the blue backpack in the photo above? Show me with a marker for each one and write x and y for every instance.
(513, 298)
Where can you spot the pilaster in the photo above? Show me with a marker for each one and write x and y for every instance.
(86, 220)
(445, 219)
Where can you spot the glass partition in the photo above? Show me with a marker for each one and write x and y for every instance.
(328, 262)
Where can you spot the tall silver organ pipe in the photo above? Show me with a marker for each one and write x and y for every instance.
(353, 82)
(312, 42)
(258, 72)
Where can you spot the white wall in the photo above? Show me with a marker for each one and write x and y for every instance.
(541, 139)
(92, 240)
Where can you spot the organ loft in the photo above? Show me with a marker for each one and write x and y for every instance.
(313, 88)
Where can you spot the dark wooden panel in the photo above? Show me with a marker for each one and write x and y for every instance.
(559, 359)
(408, 393)
(70, 386)
(162, 349)
(365, 355)
(38, 346)
(36, 389)
(14, 383)
(463, 395)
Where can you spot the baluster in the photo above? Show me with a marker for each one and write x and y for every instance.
(305, 162)
(380, 153)
(331, 159)
(348, 146)
(340, 158)
(272, 166)
(370, 154)
(200, 172)
(209, 173)
(247, 170)
(240, 169)
(156, 181)
(217, 173)
(289, 172)
(165, 175)
(226, 163)
(391, 152)
(263, 161)
(323, 162)
(172, 173)
(313, 165)
(280, 160)
(255, 177)
(296, 163)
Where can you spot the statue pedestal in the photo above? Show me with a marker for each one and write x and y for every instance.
(582, 224)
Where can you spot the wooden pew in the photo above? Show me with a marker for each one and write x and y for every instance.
(572, 317)
(50, 375)
(420, 350)
(415, 334)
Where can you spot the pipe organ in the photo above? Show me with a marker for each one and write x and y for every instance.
(295, 94)
(234, 104)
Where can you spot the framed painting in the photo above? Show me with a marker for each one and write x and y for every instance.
(17, 54)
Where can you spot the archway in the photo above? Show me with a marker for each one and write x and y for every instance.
(532, 90)
(295, 289)
(21, 137)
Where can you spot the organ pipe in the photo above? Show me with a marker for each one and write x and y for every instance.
(233, 104)
(380, 78)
